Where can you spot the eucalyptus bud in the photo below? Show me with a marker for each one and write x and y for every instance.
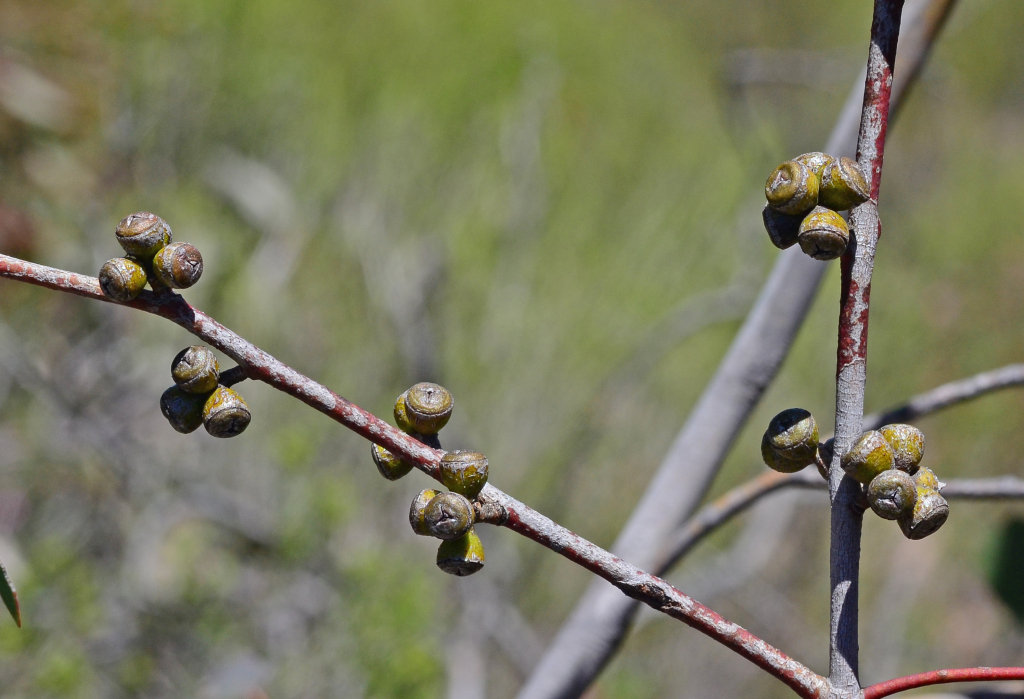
(843, 185)
(462, 556)
(925, 478)
(418, 510)
(448, 516)
(464, 472)
(869, 456)
(793, 435)
(178, 265)
(389, 465)
(892, 494)
(122, 279)
(816, 161)
(907, 444)
(782, 228)
(930, 512)
(823, 457)
(182, 409)
(792, 188)
(225, 414)
(142, 234)
(428, 407)
(823, 234)
(401, 416)
(195, 369)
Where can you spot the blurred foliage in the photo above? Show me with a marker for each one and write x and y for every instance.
(517, 200)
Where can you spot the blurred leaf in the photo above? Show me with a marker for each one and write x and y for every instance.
(1007, 576)
(10, 595)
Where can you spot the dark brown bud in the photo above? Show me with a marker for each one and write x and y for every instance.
(816, 161)
(122, 279)
(428, 407)
(869, 456)
(195, 369)
(225, 414)
(178, 265)
(792, 188)
(389, 465)
(401, 416)
(782, 228)
(142, 234)
(793, 435)
(824, 234)
(463, 556)
(843, 185)
(418, 511)
(448, 516)
(183, 410)
(930, 512)
(907, 444)
(892, 494)
(464, 472)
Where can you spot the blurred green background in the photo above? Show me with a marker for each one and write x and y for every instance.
(543, 206)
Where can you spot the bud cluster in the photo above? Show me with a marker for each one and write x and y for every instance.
(150, 257)
(198, 398)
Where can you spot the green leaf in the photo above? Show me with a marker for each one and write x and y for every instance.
(9, 595)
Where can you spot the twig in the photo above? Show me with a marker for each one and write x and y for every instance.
(493, 506)
(925, 679)
(600, 620)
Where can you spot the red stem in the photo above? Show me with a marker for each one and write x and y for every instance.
(925, 679)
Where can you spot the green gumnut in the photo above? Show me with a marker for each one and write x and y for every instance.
(869, 456)
(464, 472)
(463, 556)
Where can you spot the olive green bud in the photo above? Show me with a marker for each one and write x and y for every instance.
(195, 370)
(448, 516)
(182, 409)
(892, 494)
(930, 512)
(463, 556)
(389, 465)
(464, 472)
(775, 462)
(823, 234)
(143, 234)
(869, 456)
(401, 415)
(823, 457)
(843, 185)
(428, 407)
(792, 188)
(178, 265)
(122, 279)
(907, 444)
(925, 478)
(418, 510)
(816, 161)
(793, 435)
(225, 414)
(782, 228)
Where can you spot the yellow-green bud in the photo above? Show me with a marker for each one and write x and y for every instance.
(892, 494)
(418, 510)
(389, 465)
(401, 416)
(925, 478)
(792, 188)
(816, 161)
(464, 472)
(448, 516)
(122, 279)
(775, 462)
(823, 234)
(843, 185)
(869, 456)
(428, 407)
(195, 369)
(930, 512)
(793, 435)
(907, 444)
(462, 556)
(178, 265)
(225, 414)
(143, 234)
(183, 410)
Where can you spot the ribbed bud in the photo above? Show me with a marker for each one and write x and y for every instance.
(448, 516)
(823, 234)
(418, 510)
(930, 512)
(892, 494)
(178, 265)
(428, 407)
(464, 472)
(122, 279)
(183, 410)
(843, 185)
(389, 465)
(225, 414)
(463, 556)
(143, 234)
(195, 369)
(907, 444)
(869, 456)
(792, 188)
(782, 228)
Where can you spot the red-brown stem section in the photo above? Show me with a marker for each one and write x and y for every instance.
(493, 506)
(925, 679)
(851, 373)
